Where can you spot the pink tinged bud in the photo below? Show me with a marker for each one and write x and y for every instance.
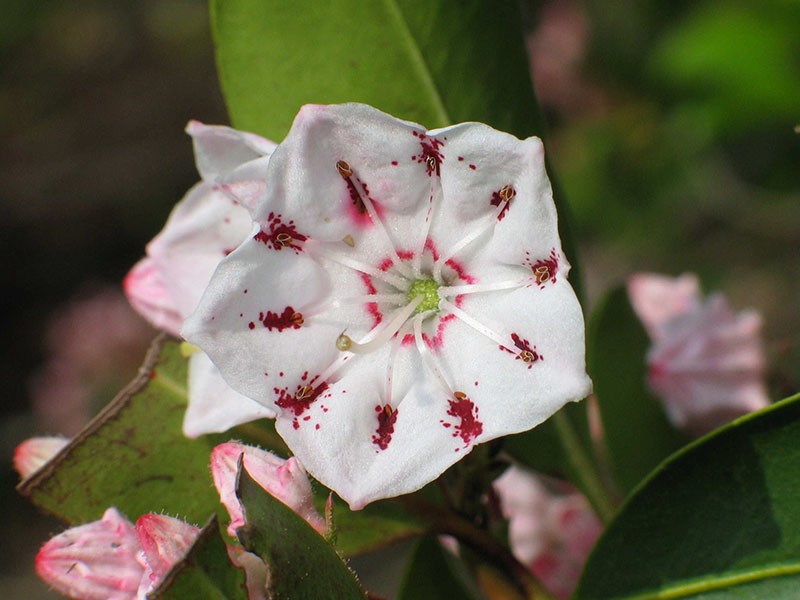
(286, 480)
(706, 362)
(164, 541)
(144, 286)
(256, 572)
(550, 532)
(96, 561)
(33, 453)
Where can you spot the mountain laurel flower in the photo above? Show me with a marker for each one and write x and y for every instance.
(706, 362)
(204, 227)
(551, 533)
(286, 480)
(96, 561)
(402, 298)
(33, 453)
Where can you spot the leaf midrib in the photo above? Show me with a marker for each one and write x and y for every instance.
(418, 63)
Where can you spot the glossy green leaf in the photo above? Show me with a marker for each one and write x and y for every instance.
(133, 455)
(720, 519)
(637, 433)
(302, 564)
(433, 573)
(205, 572)
(436, 62)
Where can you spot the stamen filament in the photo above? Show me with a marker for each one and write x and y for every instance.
(416, 264)
(396, 299)
(474, 323)
(427, 357)
(378, 337)
(447, 291)
(398, 282)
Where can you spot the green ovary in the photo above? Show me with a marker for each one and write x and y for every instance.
(429, 290)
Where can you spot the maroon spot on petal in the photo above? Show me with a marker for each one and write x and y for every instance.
(431, 155)
(279, 235)
(251, 325)
(387, 416)
(502, 198)
(545, 269)
(473, 167)
(468, 426)
(394, 163)
(527, 353)
(460, 159)
(300, 401)
(289, 318)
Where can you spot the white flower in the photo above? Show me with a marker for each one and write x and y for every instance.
(206, 225)
(403, 298)
(706, 362)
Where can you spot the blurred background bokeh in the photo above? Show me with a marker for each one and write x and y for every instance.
(671, 131)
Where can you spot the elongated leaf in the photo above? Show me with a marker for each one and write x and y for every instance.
(720, 519)
(302, 564)
(206, 572)
(436, 62)
(433, 574)
(133, 455)
(637, 433)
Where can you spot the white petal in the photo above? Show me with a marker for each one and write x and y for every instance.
(219, 149)
(214, 406)
(513, 395)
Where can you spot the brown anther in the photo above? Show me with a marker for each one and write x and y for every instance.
(507, 192)
(348, 239)
(431, 162)
(527, 356)
(459, 395)
(297, 318)
(304, 392)
(284, 239)
(542, 274)
(343, 168)
(387, 410)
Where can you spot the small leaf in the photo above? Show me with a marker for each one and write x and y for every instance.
(637, 433)
(720, 519)
(302, 564)
(205, 572)
(433, 573)
(133, 454)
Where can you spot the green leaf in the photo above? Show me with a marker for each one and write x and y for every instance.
(720, 519)
(205, 572)
(436, 62)
(433, 573)
(133, 454)
(377, 525)
(302, 564)
(637, 433)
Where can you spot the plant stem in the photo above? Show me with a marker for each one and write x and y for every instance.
(582, 468)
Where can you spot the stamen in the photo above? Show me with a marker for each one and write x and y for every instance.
(475, 288)
(396, 299)
(378, 337)
(506, 192)
(346, 171)
(416, 264)
(398, 282)
(427, 357)
(474, 323)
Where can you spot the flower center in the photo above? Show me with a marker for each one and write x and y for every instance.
(429, 290)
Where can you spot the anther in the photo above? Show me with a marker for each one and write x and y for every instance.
(507, 192)
(344, 342)
(431, 162)
(284, 239)
(459, 395)
(348, 239)
(541, 274)
(304, 392)
(527, 356)
(343, 168)
(297, 319)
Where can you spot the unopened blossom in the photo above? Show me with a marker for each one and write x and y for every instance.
(164, 542)
(402, 299)
(33, 453)
(205, 226)
(706, 362)
(286, 480)
(551, 533)
(96, 561)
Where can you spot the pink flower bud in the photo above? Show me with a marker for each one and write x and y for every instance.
(96, 561)
(164, 541)
(256, 572)
(33, 453)
(550, 532)
(284, 479)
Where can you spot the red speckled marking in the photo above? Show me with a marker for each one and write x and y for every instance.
(301, 400)
(289, 318)
(544, 270)
(527, 353)
(503, 197)
(473, 167)
(431, 155)
(280, 235)
(372, 307)
(360, 214)
(468, 426)
(386, 420)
